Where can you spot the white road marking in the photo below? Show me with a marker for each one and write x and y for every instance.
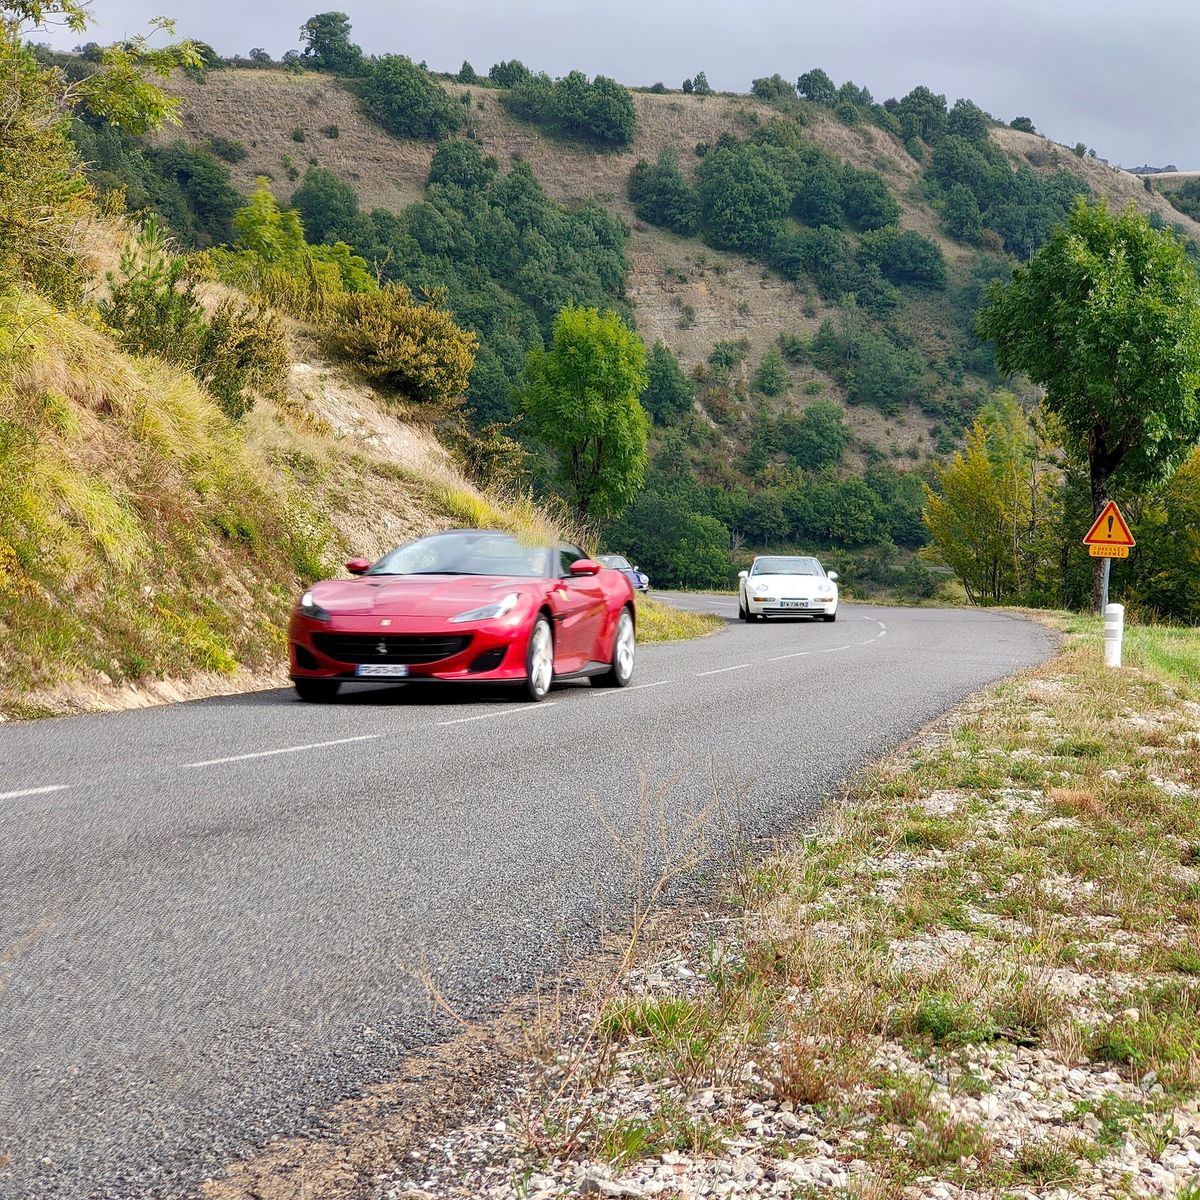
(505, 712)
(42, 791)
(833, 649)
(882, 631)
(637, 687)
(722, 670)
(216, 762)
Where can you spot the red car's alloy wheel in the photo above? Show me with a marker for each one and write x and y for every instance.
(539, 660)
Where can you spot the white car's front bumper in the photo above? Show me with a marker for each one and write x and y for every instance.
(786, 606)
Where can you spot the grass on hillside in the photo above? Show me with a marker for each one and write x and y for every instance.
(145, 535)
(139, 534)
(981, 970)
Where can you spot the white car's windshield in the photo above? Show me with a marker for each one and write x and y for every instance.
(467, 552)
(616, 561)
(787, 566)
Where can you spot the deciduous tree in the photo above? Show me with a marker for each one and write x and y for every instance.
(1106, 317)
(581, 399)
(815, 85)
(327, 44)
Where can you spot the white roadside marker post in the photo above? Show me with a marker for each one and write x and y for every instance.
(1114, 634)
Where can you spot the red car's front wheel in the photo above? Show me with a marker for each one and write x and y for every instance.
(539, 660)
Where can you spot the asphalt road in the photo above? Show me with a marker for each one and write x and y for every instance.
(214, 915)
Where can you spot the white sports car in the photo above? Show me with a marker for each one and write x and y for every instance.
(782, 586)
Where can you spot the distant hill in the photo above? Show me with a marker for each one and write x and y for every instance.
(906, 372)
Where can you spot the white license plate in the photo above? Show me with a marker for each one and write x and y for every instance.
(796, 604)
(382, 670)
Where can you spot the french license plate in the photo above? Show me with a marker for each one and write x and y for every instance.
(794, 604)
(382, 670)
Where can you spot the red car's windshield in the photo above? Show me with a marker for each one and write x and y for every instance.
(467, 553)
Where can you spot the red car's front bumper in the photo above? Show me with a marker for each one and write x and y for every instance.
(483, 652)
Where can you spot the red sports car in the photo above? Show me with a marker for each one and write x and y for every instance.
(470, 605)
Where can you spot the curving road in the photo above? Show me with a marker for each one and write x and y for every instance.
(213, 915)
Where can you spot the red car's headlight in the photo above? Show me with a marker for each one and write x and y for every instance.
(488, 612)
(310, 608)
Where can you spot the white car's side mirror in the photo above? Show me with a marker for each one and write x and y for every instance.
(833, 574)
(743, 574)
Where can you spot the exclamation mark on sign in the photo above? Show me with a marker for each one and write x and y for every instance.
(1110, 525)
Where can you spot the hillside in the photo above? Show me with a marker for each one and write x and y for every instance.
(150, 547)
(818, 356)
(261, 109)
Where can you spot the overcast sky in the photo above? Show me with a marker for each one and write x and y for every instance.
(1120, 77)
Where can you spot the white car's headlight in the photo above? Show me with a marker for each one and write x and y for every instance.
(758, 588)
(489, 612)
(310, 608)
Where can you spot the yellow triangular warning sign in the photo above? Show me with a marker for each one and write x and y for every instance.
(1110, 529)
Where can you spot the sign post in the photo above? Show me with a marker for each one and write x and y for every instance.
(1109, 538)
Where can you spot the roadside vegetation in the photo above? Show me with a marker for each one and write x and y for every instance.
(177, 459)
(659, 622)
(976, 975)
(458, 313)
(886, 220)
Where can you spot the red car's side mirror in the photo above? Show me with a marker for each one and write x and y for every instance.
(358, 566)
(586, 566)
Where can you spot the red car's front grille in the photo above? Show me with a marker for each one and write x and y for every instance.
(389, 648)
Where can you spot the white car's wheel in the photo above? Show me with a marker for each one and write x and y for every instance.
(539, 660)
(624, 652)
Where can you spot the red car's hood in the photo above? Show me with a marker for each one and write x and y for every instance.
(416, 595)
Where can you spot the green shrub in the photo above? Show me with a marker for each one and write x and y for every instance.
(819, 197)
(669, 391)
(331, 131)
(600, 111)
(327, 205)
(244, 355)
(662, 196)
(743, 195)
(866, 200)
(460, 162)
(724, 356)
(227, 148)
(774, 87)
(415, 350)
(772, 378)
(508, 74)
(407, 101)
(904, 257)
(816, 438)
(237, 352)
(152, 306)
